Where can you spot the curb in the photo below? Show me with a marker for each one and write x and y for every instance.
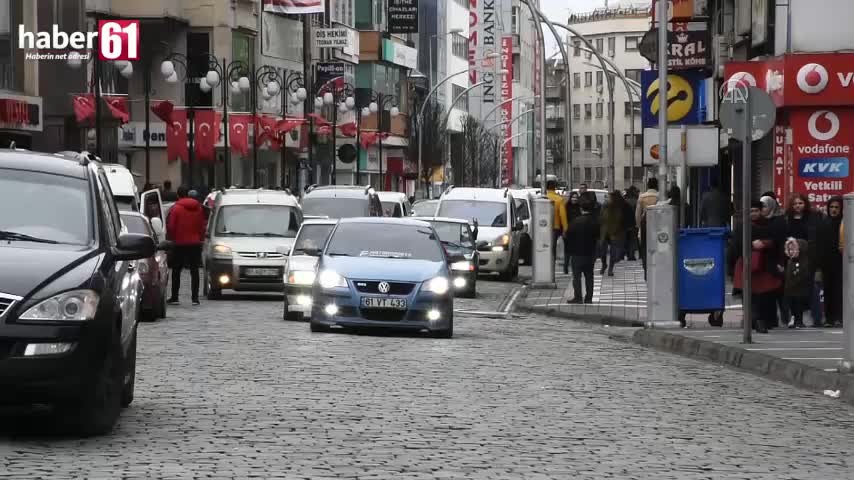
(594, 319)
(786, 371)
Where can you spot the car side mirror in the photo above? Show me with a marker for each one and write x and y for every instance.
(165, 246)
(482, 244)
(157, 226)
(134, 246)
(519, 226)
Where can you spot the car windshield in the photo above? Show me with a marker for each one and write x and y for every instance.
(257, 221)
(335, 207)
(392, 209)
(379, 240)
(490, 214)
(311, 237)
(124, 204)
(136, 224)
(455, 234)
(425, 208)
(56, 209)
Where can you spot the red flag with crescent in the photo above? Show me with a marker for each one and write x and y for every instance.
(163, 110)
(319, 121)
(348, 129)
(238, 132)
(84, 107)
(266, 131)
(367, 139)
(286, 125)
(118, 105)
(207, 134)
(176, 136)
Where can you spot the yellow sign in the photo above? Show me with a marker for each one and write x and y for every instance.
(680, 98)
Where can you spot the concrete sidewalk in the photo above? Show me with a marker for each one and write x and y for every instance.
(805, 358)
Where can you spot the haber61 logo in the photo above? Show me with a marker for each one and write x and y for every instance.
(117, 40)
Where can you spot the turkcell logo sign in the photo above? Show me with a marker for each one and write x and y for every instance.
(823, 167)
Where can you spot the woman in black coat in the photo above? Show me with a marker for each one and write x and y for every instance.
(832, 269)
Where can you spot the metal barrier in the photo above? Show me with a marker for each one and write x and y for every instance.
(662, 308)
(541, 236)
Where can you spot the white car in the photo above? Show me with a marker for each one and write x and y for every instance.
(301, 267)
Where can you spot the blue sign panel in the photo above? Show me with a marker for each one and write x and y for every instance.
(685, 98)
(823, 167)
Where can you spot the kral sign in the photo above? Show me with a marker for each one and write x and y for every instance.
(821, 146)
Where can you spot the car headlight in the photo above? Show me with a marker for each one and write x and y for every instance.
(74, 305)
(142, 266)
(301, 277)
(503, 240)
(462, 266)
(329, 279)
(220, 250)
(439, 285)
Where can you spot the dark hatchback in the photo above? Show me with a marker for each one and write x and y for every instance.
(458, 238)
(69, 301)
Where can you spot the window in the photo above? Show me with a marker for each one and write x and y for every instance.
(7, 53)
(514, 18)
(628, 107)
(600, 174)
(588, 142)
(251, 220)
(576, 143)
(632, 43)
(600, 42)
(627, 173)
(599, 108)
(599, 143)
(517, 69)
(634, 74)
(576, 111)
(464, 4)
(576, 45)
(627, 140)
(488, 214)
(612, 43)
(588, 110)
(588, 54)
(600, 75)
(197, 67)
(464, 102)
(588, 79)
(576, 173)
(460, 46)
(576, 80)
(587, 171)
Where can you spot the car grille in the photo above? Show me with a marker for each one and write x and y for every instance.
(264, 255)
(383, 314)
(395, 288)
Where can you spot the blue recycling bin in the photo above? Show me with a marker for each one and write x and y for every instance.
(702, 270)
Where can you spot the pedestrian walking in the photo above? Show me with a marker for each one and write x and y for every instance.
(560, 223)
(632, 230)
(766, 282)
(799, 280)
(583, 237)
(186, 228)
(674, 198)
(573, 211)
(832, 269)
(167, 194)
(715, 207)
(645, 200)
(776, 225)
(613, 232)
(804, 223)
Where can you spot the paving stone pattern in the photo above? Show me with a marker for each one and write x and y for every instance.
(229, 390)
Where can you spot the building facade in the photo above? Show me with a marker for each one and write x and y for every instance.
(615, 33)
(21, 102)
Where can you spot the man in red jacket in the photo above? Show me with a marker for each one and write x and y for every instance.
(186, 228)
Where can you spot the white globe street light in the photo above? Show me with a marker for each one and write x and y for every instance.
(235, 87)
(212, 78)
(204, 86)
(243, 83)
(328, 98)
(318, 102)
(172, 78)
(294, 99)
(374, 107)
(394, 111)
(350, 102)
(342, 107)
(302, 94)
(273, 87)
(265, 94)
(167, 68)
(127, 72)
(366, 111)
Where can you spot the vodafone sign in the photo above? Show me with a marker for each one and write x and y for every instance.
(823, 79)
(822, 150)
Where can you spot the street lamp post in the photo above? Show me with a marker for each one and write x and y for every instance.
(379, 103)
(343, 96)
(295, 93)
(268, 80)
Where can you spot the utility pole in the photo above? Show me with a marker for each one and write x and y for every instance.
(662, 99)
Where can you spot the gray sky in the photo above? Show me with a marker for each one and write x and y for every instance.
(559, 10)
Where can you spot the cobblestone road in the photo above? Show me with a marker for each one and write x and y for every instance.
(229, 390)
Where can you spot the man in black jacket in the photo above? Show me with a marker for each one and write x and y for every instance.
(583, 236)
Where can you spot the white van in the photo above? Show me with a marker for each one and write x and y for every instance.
(493, 211)
(123, 186)
(395, 204)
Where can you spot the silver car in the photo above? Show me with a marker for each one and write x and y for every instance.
(301, 267)
(248, 232)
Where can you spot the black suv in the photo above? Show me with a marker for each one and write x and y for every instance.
(69, 292)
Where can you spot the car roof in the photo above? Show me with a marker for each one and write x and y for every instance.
(336, 193)
(256, 196)
(55, 163)
(385, 221)
(442, 219)
(121, 179)
(132, 214)
(319, 221)
(392, 196)
(486, 194)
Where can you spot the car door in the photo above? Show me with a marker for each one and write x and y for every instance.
(152, 208)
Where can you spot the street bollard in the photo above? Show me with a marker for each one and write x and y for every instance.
(846, 365)
(662, 238)
(541, 238)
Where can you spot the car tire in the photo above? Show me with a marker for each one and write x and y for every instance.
(130, 373)
(291, 316)
(318, 328)
(97, 411)
(471, 292)
(210, 292)
(148, 315)
(445, 332)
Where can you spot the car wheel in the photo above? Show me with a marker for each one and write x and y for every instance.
(471, 292)
(318, 328)
(445, 332)
(130, 373)
(96, 412)
(210, 292)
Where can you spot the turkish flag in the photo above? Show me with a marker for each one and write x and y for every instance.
(207, 134)
(118, 106)
(84, 107)
(324, 130)
(286, 125)
(176, 136)
(367, 139)
(238, 132)
(349, 129)
(163, 110)
(265, 130)
(319, 120)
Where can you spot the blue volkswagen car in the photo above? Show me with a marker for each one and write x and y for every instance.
(383, 272)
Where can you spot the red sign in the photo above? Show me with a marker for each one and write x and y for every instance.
(780, 170)
(118, 39)
(821, 145)
(507, 109)
(744, 74)
(822, 79)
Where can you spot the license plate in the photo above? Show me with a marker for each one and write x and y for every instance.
(394, 303)
(262, 272)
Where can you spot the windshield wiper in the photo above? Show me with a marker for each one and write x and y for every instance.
(270, 234)
(23, 237)
(339, 254)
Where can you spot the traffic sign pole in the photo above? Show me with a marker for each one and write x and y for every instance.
(662, 99)
(746, 247)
